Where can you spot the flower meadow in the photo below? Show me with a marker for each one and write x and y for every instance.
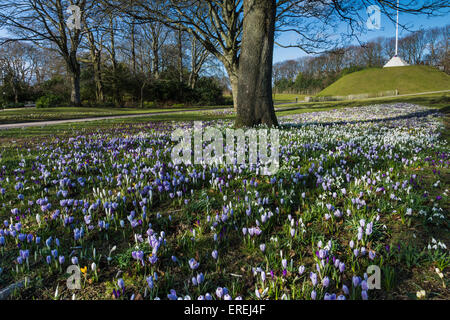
(357, 187)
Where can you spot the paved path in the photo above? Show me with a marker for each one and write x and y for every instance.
(53, 122)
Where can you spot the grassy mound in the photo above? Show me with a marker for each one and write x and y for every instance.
(411, 79)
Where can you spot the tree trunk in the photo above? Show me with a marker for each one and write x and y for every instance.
(16, 94)
(75, 97)
(133, 49)
(192, 75)
(74, 73)
(116, 97)
(99, 95)
(96, 60)
(234, 89)
(180, 56)
(254, 96)
(155, 58)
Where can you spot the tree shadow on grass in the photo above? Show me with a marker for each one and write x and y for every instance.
(417, 115)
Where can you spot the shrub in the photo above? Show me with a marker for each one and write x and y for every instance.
(47, 101)
(148, 104)
(13, 105)
(209, 92)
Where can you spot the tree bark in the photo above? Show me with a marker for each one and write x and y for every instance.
(96, 60)
(99, 95)
(75, 97)
(155, 58)
(75, 76)
(116, 97)
(16, 93)
(133, 49)
(180, 55)
(193, 74)
(234, 89)
(254, 96)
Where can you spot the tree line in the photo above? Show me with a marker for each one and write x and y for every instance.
(311, 74)
(112, 60)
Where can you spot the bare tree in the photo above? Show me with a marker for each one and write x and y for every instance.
(15, 66)
(45, 21)
(199, 55)
(413, 46)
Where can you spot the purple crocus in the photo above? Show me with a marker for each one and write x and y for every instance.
(121, 284)
(193, 264)
(313, 278)
(325, 282)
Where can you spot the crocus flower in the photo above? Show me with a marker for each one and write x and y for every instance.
(364, 295)
(172, 295)
(364, 285)
(325, 282)
(262, 247)
(329, 296)
(351, 244)
(193, 264)
(121, 284)
(356, 281)
(301, 269)
(219, 292)
(313, 278)
(345, 289)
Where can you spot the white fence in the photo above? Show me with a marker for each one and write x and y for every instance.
(361, 96)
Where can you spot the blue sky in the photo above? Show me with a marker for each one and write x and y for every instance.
(413, 22)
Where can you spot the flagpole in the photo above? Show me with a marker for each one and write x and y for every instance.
(396, 33)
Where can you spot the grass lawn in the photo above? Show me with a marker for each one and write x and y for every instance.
(63, 113)
(280, 98)
(410, 79)
(287, 97)
(436, 101)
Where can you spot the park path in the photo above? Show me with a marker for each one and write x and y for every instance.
(53, 122)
